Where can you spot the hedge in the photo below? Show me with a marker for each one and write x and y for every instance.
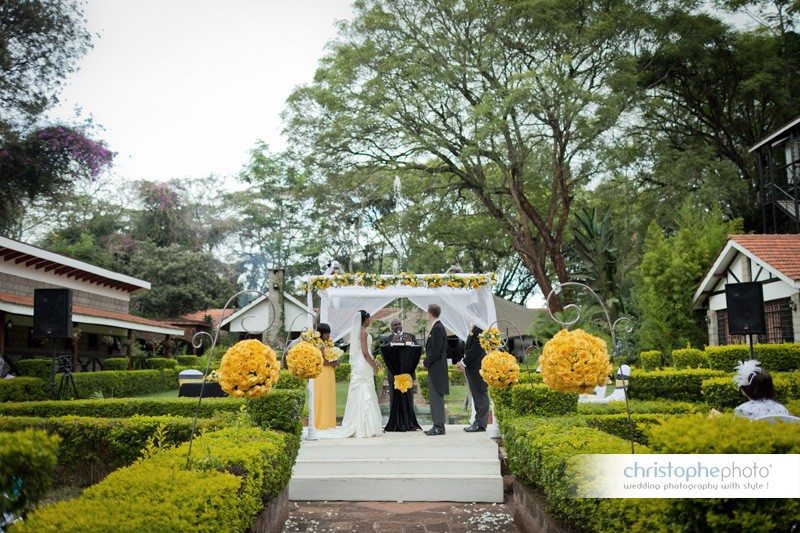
(680, 385)
(618, 424)
(27, 459)
(640, 407)
(689, 358)
(115, 363)
(456, 376)
(650, 360)
(343, 372)
(92, 447)
(187, 360)
(540, 400)
(529, 377)
(726, 434)
(287, 380)
(37, 368)
(722, 393)
(123, 383)
(233, 473)
(773, 357)
(159, 363)
(23, 389)
(379, 378)
(793, 406)
(280, 410)
(503, 402)
(422, 384)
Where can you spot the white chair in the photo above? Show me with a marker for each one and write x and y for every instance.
(774, 419)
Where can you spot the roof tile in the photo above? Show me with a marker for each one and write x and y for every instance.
(781, 252)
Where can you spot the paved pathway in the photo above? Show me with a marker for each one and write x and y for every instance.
(380, 517)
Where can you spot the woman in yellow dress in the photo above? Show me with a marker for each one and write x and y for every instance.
(325, 388)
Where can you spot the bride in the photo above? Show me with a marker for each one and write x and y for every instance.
(362, 416)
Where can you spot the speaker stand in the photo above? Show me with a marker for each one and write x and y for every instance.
(62, 364)
(752, 350)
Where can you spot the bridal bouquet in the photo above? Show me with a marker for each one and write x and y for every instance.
(333, 354)
(304, 360)
(403, 382)
(575, 361)
(490, 339)
(248, 369)
(499, 369)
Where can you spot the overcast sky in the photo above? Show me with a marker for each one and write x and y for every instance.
(184, 88)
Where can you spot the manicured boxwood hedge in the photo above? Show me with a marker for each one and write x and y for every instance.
(92, 447)
(642, 407)
(456, 376)
(773, 357)
(650, 360)
(233, 473)
(37, 368)
(287, 380)
(115, 363)
(722, 393)
(680, 385)
(422, 383)
(124, 383)
(23, 389)
(280, 410)
(187, 360)
(158, 363)
(540, 400)
(618, 424)
(343, 372)
(689, 358)
(27, 459)
(529, 377)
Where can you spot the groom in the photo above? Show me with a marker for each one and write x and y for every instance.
(436, 364)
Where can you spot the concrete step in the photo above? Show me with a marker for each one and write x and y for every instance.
(398, 487)
(381, 467)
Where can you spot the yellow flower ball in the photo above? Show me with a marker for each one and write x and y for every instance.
(248, 369)
(403, 382)
(499, 369)
(575, 361)
(304, 360)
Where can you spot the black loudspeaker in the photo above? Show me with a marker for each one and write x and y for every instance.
(52, 313)
(745, 308)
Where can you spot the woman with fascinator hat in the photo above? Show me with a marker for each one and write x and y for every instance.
(755, 384)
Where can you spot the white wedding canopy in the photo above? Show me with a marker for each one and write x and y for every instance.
(461, 307)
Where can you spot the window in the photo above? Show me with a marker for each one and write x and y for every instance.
(778, 316)
(723, 337)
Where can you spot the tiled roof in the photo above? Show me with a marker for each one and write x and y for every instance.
(89, 311)
(781, 252)
(200, 316)
(381, 314)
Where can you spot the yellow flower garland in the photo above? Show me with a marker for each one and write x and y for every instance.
(575, 361)
(304, 360)
(403, 382)
(404, 279)
(499, 369)
(248, 369)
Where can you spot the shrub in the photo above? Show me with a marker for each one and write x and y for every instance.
(124, 407)
(115, 363)
(287, 380)
(689, 358)
(456, 376)
(27, 459)
(92, 447)
(187, 360)
(529, 377)
(343, 372)
(23, 389)
(650, 360)
(379, 379)
(36, 368)
(640, 407)
(773, 357)
(793, 406)
(681, 385)
(422, 383)
(540, 400)
(159, 363)
(618, 424)
(233, 472)
(503, 402)
(122, 383)
(280, 410)
(723, 393)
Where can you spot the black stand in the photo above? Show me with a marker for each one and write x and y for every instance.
(62, 364)
(752, 350)
(401, 360)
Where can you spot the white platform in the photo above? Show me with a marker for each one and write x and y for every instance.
(458, 467)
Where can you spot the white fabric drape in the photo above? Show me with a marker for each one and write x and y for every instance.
(337, 311)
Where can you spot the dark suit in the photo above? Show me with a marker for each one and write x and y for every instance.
(436, 364)
(473, 356)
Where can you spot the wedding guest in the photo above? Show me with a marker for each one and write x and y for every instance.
(325, 388)
(756, 385)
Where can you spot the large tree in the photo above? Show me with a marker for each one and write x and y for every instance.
(509, 101)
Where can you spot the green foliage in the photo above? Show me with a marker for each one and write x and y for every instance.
(188, 360)
(279, 409)
(641, 407)
(540, 400)
(343, 372)
(158, 363)
(233, 472)
(671, 269)
(37, 368)
(287, 380)
(125, 407)
(122, 383)
(503, 402)
(115, 363)
(380, 377)
(529, 377)
(27, 459)
(456, 376)
(689, 358)
(22, 389)
(680, 385)
(618, 424)
(723, 393)
(650, 359)
(92, 447)
(773, 357)
(422, 383)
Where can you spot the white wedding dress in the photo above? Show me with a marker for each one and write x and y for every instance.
(362, 416)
